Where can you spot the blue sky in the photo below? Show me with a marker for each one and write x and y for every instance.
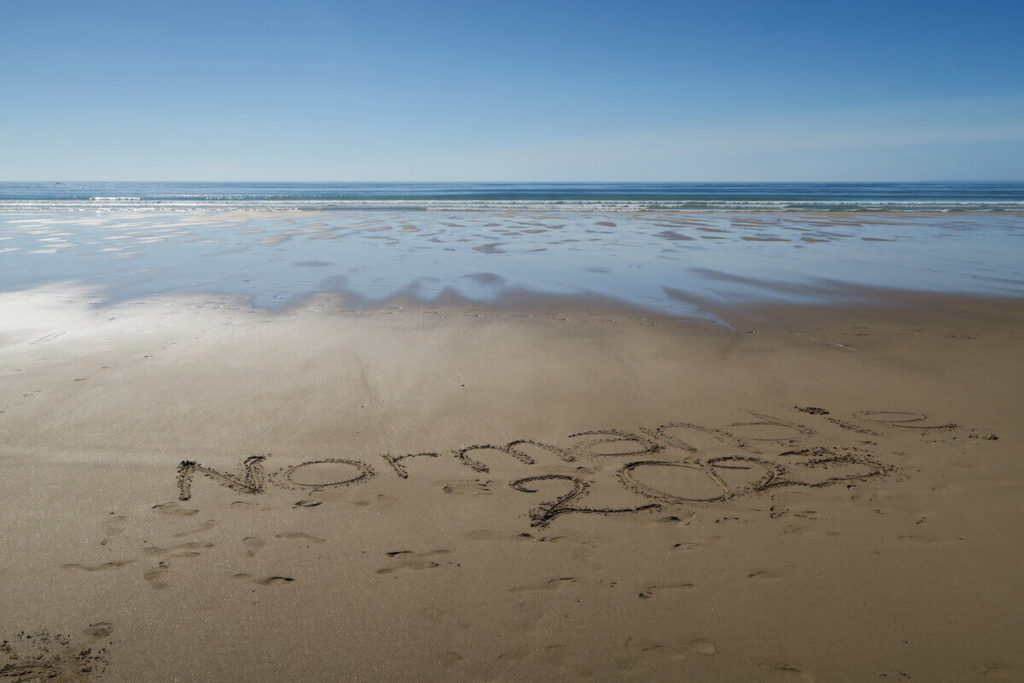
(524, 90)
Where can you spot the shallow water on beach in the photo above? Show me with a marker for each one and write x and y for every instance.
(670, 262)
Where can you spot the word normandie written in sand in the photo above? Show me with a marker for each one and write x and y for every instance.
(652, 457)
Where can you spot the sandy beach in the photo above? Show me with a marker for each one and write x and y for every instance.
(540, 488)
(485, 342)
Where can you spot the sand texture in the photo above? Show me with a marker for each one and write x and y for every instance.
(555, 490)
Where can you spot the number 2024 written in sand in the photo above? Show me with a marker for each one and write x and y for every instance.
(651, 452)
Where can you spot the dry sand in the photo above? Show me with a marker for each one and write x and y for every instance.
(819, 494)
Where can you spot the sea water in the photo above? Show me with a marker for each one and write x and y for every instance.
(992, 196)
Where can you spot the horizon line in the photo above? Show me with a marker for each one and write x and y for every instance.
(544, 182)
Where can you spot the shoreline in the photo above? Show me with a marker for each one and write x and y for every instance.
(669, 264)
(527, 209)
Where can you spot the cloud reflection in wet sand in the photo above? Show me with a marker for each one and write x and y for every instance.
(659, 261)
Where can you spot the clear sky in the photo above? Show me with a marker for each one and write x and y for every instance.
(517, 90)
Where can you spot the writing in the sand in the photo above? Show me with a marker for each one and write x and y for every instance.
(652, 456)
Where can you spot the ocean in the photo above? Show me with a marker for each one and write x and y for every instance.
(933, 196)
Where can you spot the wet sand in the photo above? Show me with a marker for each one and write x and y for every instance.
(275, 258)
(544, 489)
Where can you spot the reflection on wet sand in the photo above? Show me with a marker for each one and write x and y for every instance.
(645, 259)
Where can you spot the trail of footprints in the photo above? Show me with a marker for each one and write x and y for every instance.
(661, 451)
(407, 559)
(158, 576)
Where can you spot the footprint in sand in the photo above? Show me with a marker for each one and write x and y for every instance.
(489, 535)
(994, 670)
(252, 545)
(300, 536)
(383, 502)
(651, 591)
(98, 567)
(99, 630)
(114, 524)
(411, 560)
(638, 651)
(554, 654)
(205, 526)
(704, 647)
(155, 576)
(174, 509)
(467, 487)
(265, 581)
(765, 574)
(449, 658)
(549, 585)
(693, 545)
(190, 549)
(515, 653)
(789, 671)
(440, 616)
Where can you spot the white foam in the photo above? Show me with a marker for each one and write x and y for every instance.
(135, 204)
